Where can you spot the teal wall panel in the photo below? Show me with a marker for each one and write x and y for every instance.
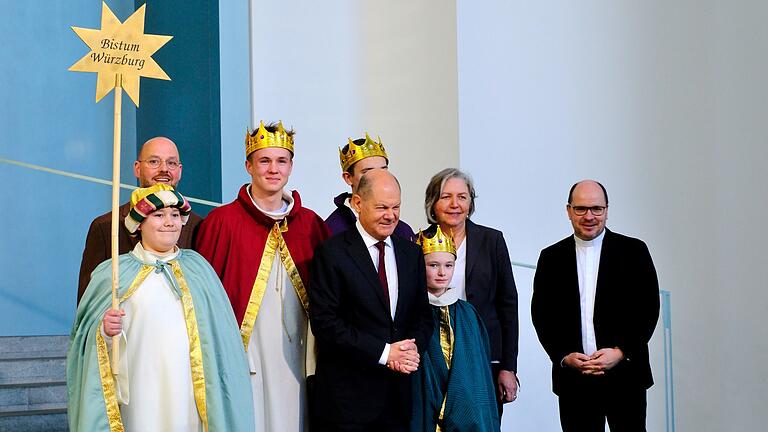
(49, 118)
(186, 109)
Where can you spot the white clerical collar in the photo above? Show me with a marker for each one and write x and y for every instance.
(368, 239)
(148, 257)
(282, 212)
(449, 297)
(597, 241)
(348, 203)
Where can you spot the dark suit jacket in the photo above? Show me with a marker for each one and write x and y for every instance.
(351, 321)
(98, 243)
(491, 290)
(625, 312)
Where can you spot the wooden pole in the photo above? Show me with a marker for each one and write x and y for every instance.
(116, 213)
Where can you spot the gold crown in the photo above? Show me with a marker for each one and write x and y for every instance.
(437, 243)
(356, 153)
(265, 139)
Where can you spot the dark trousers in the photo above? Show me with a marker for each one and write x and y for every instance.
(589, 408)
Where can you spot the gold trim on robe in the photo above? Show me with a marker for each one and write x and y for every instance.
(143, 273)
(293, 273)
(259, 285)
(108, 384)
(275, 243)
(105, 367)
(446, 345)
(195, 350)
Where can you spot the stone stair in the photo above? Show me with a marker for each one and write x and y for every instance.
(33, 388)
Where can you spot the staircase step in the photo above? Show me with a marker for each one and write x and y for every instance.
(33, 393)
(43, 408)
(34, 370)
(35, 423)
(18, 347)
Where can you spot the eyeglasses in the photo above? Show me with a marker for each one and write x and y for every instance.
(581, 211)
(155, 163)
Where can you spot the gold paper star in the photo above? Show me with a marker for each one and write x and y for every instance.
(120, 51)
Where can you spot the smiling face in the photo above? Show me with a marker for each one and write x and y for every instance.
(270, 169)
(159, 152)
(588, 226)
(439, 270)
(452, 207)
(378, 204)
(161, 230)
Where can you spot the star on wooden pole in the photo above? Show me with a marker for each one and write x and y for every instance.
(120, 53)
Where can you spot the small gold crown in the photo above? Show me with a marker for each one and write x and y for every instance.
(437, 243)
(356, 153)
(261, 138)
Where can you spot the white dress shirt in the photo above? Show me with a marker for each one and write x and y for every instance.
(588, 265)
(459, 279)
(390, 265)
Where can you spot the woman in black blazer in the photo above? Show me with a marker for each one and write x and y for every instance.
(483, 272)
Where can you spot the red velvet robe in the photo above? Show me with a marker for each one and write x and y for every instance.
(232, 238)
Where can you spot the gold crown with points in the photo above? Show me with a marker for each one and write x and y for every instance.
(356, 153)
(262, 138)
(437, 243)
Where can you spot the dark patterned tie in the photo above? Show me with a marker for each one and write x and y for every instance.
(383, 272)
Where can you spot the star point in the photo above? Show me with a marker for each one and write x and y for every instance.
(120, 53)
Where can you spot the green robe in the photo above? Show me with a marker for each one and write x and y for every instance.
(466, 386)
(225, 401)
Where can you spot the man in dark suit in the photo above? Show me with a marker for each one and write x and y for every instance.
(369, 312)
(595, 305)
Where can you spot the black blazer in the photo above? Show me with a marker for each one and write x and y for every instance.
(351, 321)
(625, 313)
(491, 290)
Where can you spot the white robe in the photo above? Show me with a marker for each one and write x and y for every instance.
(155, 379)
(277, 350)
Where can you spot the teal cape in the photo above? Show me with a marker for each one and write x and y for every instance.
(471, 401)
(229, 404)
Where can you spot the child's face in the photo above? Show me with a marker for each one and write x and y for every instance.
(161, 230)
(439, 269)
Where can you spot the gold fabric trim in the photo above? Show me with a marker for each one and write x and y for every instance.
(293, 273)
(446, 345)
(143, 273)
(195, 350)
(446, 335)
(260, 284)
(108, 384)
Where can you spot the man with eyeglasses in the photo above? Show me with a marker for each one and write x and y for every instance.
(595, 305)
(158, 162)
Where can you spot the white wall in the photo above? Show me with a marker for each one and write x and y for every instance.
(336, 69)
(665, 104)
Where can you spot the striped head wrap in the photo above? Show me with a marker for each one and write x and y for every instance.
(145, 201)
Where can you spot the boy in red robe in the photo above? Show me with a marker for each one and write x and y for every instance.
(261, 246)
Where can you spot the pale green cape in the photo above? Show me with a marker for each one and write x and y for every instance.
(227, 382)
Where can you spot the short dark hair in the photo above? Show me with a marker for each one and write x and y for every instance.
(570, 192)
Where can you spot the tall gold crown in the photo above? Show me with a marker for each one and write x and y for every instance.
(356, 153)
(261, 138)
(437, 243)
